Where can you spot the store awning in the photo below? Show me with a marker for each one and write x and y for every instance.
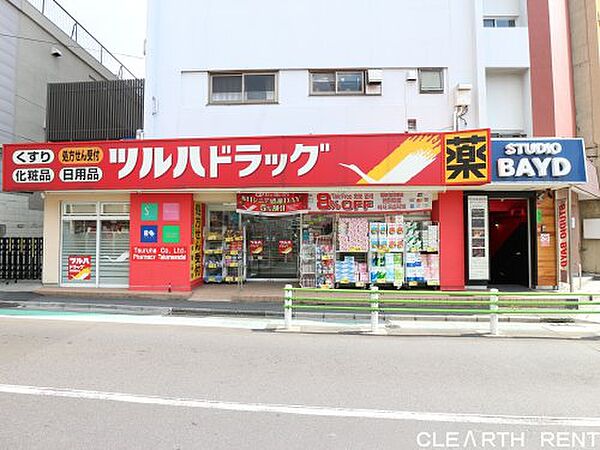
(591, 189)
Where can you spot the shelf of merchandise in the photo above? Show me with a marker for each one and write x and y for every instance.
(324, 262)
(233, 256)
(308, 266)
(213, 257)
(223, 256)
(431, 283)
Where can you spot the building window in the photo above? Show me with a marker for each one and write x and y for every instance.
(337, 82)
(243, 88)
(411, 124)
(431, 81)
(95, 244)
(499, 22)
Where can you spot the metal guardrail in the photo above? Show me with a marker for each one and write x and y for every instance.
(58, 15)
(490, 303)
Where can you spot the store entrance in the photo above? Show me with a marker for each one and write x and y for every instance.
(509, 241)
(272, 247)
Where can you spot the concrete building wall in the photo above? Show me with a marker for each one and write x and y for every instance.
(585, 39)
(26, 67)
(293, 39)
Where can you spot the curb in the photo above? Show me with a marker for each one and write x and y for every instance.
(393, 321)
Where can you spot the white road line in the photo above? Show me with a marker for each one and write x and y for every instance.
(304, 410)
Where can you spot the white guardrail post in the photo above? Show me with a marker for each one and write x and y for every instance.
(374, 308)
(287, 303)
(493, 317)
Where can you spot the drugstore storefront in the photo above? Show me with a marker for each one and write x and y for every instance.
(327, 210)
(330, 239)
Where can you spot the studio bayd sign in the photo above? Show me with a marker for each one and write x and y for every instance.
(540, 160)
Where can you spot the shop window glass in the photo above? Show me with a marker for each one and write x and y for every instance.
(115, 209)
(114, 253)
(80, 209)
(89, 259)
(79, 252)
(218, 220)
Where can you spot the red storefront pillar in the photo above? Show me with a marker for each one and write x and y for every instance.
(161, 236)
(448, 211)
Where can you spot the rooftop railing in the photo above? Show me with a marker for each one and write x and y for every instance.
(58, 15)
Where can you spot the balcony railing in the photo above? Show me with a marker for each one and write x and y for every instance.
(53, 11)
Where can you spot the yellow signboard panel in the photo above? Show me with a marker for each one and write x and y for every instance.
(467, 157)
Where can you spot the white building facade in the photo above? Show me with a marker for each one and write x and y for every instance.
(235, 68)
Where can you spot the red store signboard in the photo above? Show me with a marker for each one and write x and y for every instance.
(249, 162)
(269, 203)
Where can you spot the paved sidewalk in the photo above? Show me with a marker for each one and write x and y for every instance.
(25, 295)
(30, 300)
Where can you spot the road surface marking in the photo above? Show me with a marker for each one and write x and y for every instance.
(304, 410)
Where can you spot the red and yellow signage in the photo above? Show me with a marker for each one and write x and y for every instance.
(286, 247)
(425, 159)
(271, 203)
(79, 268)
(256, 246)
(467, 157)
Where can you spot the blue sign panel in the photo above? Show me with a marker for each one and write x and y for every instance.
(149, 234)
(552, 160)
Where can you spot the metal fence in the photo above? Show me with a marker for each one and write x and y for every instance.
(21, 258)
(489, 303)
(94, 110)
(52, 10)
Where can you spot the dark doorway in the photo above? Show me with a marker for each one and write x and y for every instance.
(509, 246)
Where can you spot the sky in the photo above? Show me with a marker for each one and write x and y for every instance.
(119, 25)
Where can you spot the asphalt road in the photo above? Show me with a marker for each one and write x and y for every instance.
(151, 386)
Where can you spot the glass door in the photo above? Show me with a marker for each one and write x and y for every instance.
(272, 247)
(114, 253)
(78, 258)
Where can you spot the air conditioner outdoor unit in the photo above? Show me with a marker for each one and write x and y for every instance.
(374, 76)
(411, 75)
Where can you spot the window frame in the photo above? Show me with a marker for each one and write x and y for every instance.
(243, 101)
(97, 217)
(336, 73)
(497, 18)
(441, 70)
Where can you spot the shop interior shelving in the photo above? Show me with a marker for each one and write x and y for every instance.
(213, 256)
(426, 276)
